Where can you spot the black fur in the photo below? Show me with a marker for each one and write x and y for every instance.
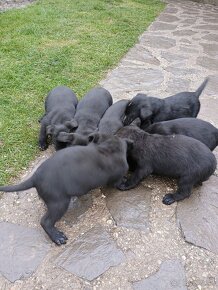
(151, 110)
(91, 109)
(177, 156)
(74, 171)
(112, 120)
(70, 139)
(195, 128)
(89, 112)
(60, 109)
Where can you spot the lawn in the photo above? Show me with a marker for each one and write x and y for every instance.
(56, 42)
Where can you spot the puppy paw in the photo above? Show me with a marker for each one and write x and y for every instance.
(43, 147)
(59, 238)
(121, 186)
(168, 199)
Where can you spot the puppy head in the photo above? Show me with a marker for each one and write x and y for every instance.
(108, 144)
(139, 107)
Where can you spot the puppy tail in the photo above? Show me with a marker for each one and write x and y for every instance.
(202, 87)
(18, 187)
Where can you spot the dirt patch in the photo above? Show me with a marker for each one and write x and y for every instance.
(9, 4)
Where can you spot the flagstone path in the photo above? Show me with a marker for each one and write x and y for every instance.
(130, 240)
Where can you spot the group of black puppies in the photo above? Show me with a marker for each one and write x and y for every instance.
(97, 142)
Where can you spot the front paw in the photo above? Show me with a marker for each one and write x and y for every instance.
(121, 186)
(168, 199)
(43, 146)
(59, 238)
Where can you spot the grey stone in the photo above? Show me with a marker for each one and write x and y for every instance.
(21, 250)
(134, 79)
(78, 206)
(184, 32)
(208, 109)
(213, 2)
(172, 10)
(184, 40)
(198, 214)
(207, 27)
(168, 18)
(138, 55)
(158, 41)
(189, 21)
(177, 71)
(162, 26)
(210, 14)
(176, 85)
(130, 208)
(190, 13)
(171, 276)
(173, 57)
(210, 49)
(211, 37)
(189, 49)
(211, 20)
(91, 254)
(207, 62)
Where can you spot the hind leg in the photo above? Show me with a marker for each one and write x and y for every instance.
(196, 110)
(184, 190)
(56, 209)
(43, 145)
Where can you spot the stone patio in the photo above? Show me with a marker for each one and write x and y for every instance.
(130, 240)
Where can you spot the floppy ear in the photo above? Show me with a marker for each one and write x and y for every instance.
(65, 137)
(94, 137)
(49, 130)
(137, 122)
(145, 113)
(129, 143)
(72, 124)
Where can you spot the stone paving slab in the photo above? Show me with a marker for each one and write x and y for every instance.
(198, 216)
(171, 276)
(91, 254)
(175, 54)
(77, 207)
(21, 250)
(130, 208)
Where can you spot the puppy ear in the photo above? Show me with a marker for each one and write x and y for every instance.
(129, 143)
(49, 130)
(65, 137)
(72, 124)
(137, 122)
(94, 137)
(145, 113)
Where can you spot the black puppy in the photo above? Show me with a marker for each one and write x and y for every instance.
(177, 156)
(88, 114)
(195, 128)
(110, 123)
(151, 110)
(60, 109)
(74, 171)
(112, 120)
(90, 110)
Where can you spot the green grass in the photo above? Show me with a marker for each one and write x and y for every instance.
(56, 42)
